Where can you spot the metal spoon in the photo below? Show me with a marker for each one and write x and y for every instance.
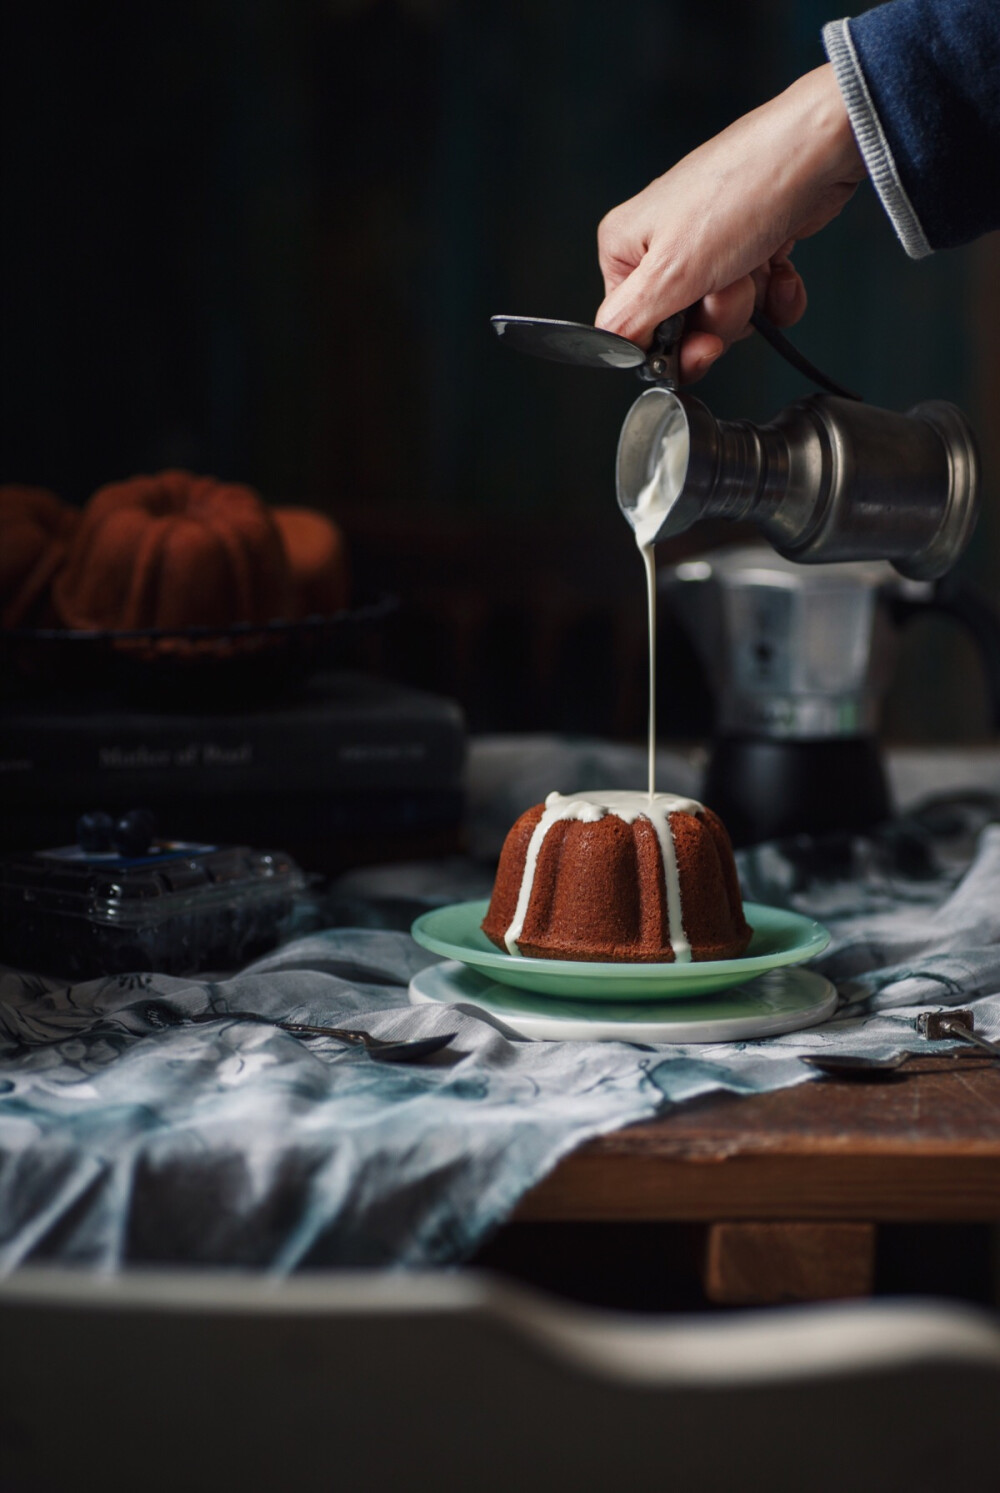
(838, 1063)
(409, 1050)
(934, 1025)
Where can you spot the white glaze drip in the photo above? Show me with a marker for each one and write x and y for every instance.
(591, 807)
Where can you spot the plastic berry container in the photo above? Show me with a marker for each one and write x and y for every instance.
(178, 908)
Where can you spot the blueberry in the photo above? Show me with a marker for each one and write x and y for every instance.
(94, 832)
(134, 831)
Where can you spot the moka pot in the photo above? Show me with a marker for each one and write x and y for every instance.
(799, 660)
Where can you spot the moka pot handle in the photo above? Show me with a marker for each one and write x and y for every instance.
(974, 608)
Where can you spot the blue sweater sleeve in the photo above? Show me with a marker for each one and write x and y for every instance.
(921, 81)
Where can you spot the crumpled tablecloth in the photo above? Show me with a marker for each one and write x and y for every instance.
(129, 1136)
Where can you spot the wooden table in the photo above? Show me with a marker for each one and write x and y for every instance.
(793, 1184)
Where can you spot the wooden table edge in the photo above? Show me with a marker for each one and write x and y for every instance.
(886, 1188)
(925, 1150)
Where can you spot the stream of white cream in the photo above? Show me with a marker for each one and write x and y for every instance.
(647, 518)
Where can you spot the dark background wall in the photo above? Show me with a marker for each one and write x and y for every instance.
(264, 239)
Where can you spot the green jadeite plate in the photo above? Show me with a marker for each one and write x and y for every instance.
(779, 937)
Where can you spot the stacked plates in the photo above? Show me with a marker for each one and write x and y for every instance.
(761, 994)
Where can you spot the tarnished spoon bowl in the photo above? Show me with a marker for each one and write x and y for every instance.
(847, 1063)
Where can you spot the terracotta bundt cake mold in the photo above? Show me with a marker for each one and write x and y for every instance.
(173, 551)
(317, 558)
(618, 877)
(35, 530)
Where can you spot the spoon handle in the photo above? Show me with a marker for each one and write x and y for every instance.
(404, 1050)
(343, 1034)
(966, 1034)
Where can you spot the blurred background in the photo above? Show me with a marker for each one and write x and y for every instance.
(263, 239)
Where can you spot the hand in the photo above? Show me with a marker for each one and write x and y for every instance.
(715, 233)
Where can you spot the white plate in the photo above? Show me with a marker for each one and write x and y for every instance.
(785, 1000)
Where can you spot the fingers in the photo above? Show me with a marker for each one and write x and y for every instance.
(619, 253)
(637, 305)
(639, 302)
(776, 287)
(784, 300)
(699, 351)
(726, 313)
(615, 269)
(723, 318)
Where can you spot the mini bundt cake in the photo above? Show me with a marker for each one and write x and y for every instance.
(173, 551)
(35, 530)
(317, 558)
(619, 877)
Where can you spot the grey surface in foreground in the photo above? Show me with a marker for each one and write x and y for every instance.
(387, 1382)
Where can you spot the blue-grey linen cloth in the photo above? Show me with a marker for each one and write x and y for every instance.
(128, 1134)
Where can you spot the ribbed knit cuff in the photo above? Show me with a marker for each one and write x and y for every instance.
(871, 138)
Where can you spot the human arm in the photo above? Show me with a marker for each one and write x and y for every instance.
(912, 99)
(717, 228)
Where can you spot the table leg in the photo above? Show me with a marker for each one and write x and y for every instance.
(764, 1263)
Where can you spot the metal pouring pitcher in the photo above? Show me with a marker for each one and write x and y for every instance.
(830, 478)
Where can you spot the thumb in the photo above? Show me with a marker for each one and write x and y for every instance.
(635, 308)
